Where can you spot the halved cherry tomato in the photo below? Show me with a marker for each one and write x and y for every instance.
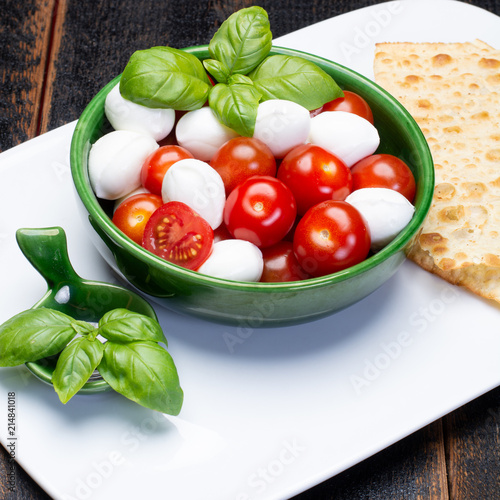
(351, 103)
(157, 163)
(132, 215)
(178, 234)
(330, 237)
(384, 171)
(313, 174)
(280, 264)
(261, 210)
(240, 158)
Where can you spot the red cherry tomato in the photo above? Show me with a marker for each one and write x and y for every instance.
(330, 237)
(351, 103)
(178, 234)
(221, 233)
(313, 174)
(240, 158)
(132, 215)
(385, 171)
(261, 210)
(280, 264)
(157, 163)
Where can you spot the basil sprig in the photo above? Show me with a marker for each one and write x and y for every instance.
(244, 72)
(131, 360)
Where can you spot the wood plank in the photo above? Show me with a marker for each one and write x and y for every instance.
(24, 41)
(473, 449)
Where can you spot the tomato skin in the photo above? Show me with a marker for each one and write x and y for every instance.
(331, 236)
(351, 103)
(157, 163)
(176, 233)
(384, 171)
(261, 210)
(132, 215)
(280, 264)
(313, 174)
(241, 158)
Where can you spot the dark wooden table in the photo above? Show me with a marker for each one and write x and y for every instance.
(55, 55)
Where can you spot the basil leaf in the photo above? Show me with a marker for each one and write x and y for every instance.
(35, 334)
(217, 69)
(243, 40)
(295, 79)
(144, 372)
(122, 325)
(75, 365)
(163, 77)
(235, 106)
(234, 79)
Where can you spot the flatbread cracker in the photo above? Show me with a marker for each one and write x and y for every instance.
(453, 92)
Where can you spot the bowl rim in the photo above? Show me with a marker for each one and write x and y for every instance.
(96, 212)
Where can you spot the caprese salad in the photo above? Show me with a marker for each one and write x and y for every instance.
(247, 166)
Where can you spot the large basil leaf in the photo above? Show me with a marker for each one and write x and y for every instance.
(163, 77)
(295, 79)
(144, 372)
(35, 334)
(235, 106)
(75, 365)
(243, 40)
(122, 325)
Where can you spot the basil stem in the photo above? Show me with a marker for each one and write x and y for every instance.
(35, 334)
(144, 372)
(295, 79)
(75, 365)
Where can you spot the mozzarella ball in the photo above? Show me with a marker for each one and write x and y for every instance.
(344, 134)
(201, 133)
(199, 186)
(282, 125)
(115, 162)
(127, 115)
(386, 211)
(237, 260)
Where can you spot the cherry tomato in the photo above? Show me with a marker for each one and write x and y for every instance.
(261, 210)
(330, 237)
(157, 163)
(132, 215)
(280, 264)
(385, 171)
(178, 234)
(240, 158)
(313, 174)
(351, 103)
(221, 233)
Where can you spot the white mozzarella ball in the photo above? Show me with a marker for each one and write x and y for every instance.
(199, 186)
(127, 115)
(282, 125)
(201, 133)
(115, 162)
(346, 135)
(237, 260)
(386, 211)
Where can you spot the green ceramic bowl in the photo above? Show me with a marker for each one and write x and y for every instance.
(253, 305)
